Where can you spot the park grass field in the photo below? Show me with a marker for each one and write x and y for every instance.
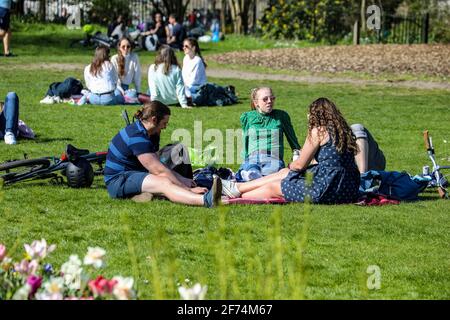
(296, 251)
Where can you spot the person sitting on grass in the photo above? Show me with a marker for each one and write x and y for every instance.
(127, 66)
(134, 170)
(9, 118)
(101, 79)
(335, 178)
(370, 156)
(165, 80)
(263, 131)
(194, 68)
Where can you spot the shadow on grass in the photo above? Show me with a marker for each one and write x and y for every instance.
(44, 140)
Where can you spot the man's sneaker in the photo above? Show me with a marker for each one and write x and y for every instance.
(214, 196)
(229, 189)
(10, 138)
(48, 100)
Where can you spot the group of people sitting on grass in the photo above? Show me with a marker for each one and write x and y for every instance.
(109, 80)
(334, 153)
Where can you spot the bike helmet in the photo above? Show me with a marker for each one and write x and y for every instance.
(79, 174)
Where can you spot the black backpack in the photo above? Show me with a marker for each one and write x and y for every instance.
(65, 89)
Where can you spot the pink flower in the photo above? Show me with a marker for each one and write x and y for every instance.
(35, 283)
(2, 252)
(101, 286)
(39, 249)
(26, 267)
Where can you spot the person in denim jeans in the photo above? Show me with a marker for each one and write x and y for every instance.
(9, 118)
(5, 25)
(101, 79)
(263, 131)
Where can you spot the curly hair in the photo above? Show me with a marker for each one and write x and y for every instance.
(323, 113)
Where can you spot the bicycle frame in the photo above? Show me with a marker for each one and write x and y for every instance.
(57, 164)
(436, 174)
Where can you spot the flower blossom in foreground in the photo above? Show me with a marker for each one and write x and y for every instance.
(197, 292)
(53, 290)
(39, 249)
(95, 257)
(2, 252)
(123, 290)
(72, 272)
(102, 286)
(27, 267)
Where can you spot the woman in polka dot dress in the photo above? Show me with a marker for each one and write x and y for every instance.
(335, 177)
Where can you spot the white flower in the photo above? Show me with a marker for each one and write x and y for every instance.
(39, 249)
(22, 293)
(53, 290)
(123, 290)
(72, 272)
(197, 292)
(94, 257)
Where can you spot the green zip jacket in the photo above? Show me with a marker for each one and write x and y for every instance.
(264, 133)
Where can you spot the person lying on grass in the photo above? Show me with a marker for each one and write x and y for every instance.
(134, 170)
(335, 178)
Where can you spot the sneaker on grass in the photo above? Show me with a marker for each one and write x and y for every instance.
(214, 196)
(10, 138)
(229, 189)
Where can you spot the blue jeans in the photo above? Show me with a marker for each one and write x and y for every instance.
(262, 163)
(105, 99)
(125, 87)
(9, 117)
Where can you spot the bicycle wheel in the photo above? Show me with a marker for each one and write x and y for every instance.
(18, 170)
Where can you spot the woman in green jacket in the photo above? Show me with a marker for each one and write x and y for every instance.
(263, 133)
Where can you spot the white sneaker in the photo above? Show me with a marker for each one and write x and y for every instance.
(230, 189)
(57, 99)
(10, 138)
(48, 100)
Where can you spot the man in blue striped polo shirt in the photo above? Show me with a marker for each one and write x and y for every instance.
(133, 168)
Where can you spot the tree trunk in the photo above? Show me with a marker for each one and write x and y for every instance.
(363, 16)
(42, 9)
(223, 15)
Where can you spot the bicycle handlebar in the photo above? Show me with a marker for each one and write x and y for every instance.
(426, 138)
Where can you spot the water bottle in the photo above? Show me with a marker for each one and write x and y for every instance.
(426, 170)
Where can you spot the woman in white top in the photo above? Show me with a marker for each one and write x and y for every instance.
(101, 79)
(127, 66)
(194, 73)
(165, 80)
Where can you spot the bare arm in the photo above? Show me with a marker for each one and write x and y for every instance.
(310, 147)
(151, 162)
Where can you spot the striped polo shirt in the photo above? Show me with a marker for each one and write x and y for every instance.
(124, 148)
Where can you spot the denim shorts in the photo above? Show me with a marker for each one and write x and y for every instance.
(126, 184)
(4, 19)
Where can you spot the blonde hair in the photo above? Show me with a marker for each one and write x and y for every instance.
(254, 93)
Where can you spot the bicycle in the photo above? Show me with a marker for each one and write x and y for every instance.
(48, 168)
(436, 177)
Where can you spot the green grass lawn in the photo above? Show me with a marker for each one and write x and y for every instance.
(241, 252)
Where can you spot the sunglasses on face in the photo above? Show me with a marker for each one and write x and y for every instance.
(265, 99)
(126, 47)
(187, 47)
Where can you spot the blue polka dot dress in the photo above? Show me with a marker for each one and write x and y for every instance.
(335, 179)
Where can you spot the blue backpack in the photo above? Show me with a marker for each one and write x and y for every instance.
(397, 185)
